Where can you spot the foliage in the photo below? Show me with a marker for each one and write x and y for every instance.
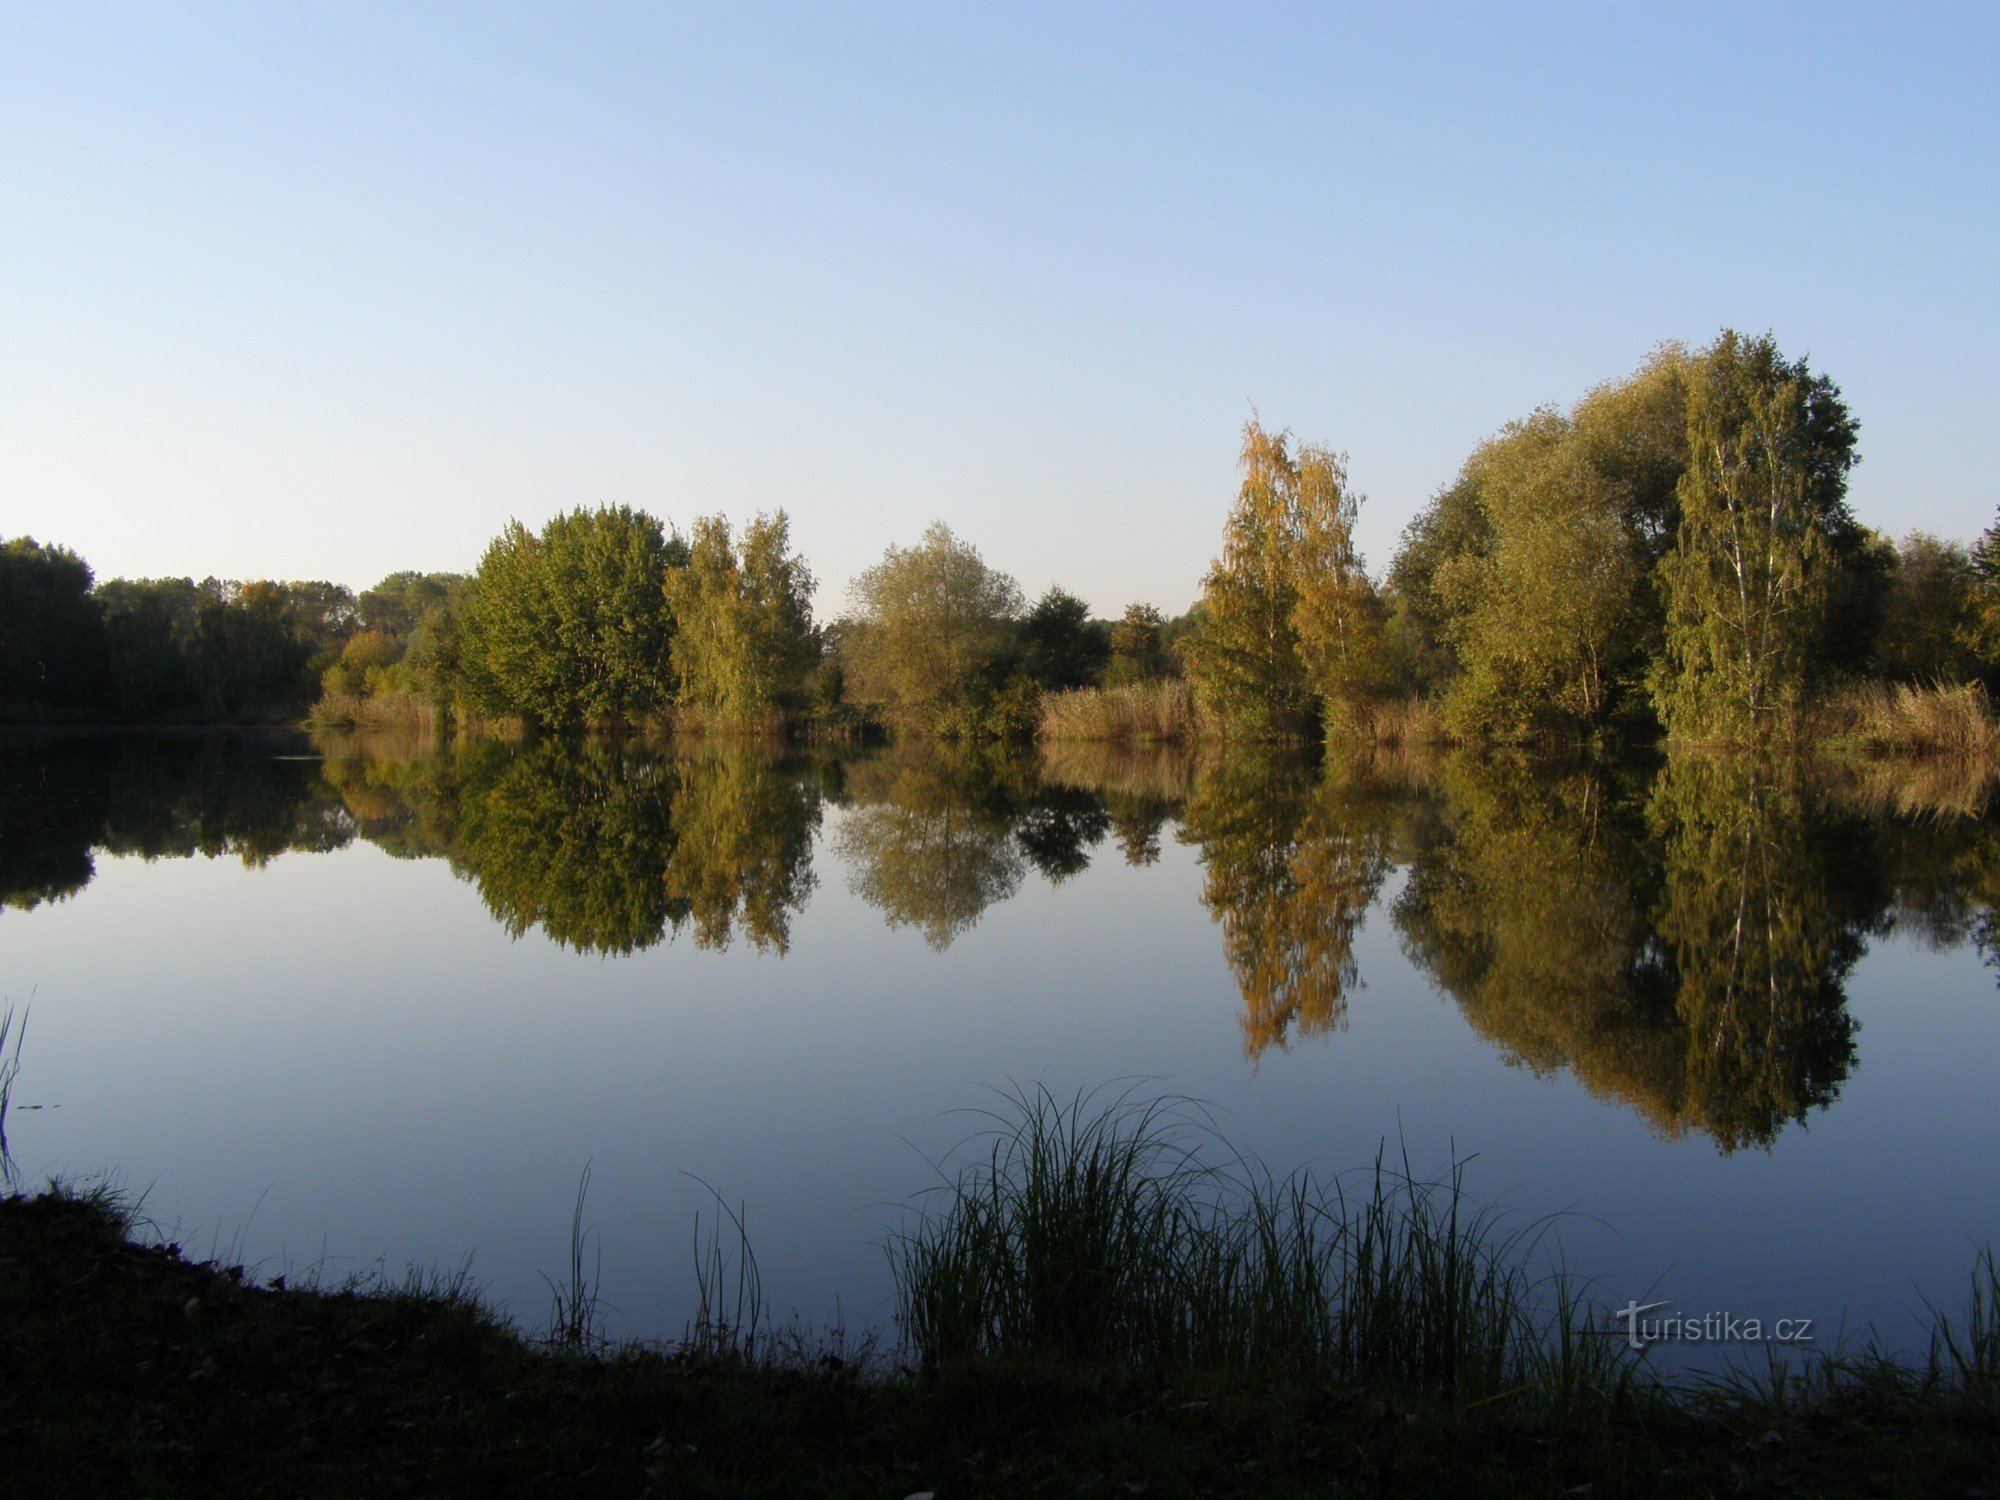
(1450, 533)
(1138, 647)
(1523, 594)
(51, 634)
(1060, 647)
(1762, 506)
(366, 651)
(400, 601)
(149, 626)
(930, 636)
(571, 626)
(1289, 623)
(1928, 629)
(1982, 626)
(744, 639)
(245, 656)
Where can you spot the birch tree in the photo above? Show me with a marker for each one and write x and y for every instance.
(1762, 504)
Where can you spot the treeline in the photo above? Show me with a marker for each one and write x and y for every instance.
(607, 618)
(170, 649)
(1675, 554)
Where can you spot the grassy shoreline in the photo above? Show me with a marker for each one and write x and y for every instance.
(1091, 1307)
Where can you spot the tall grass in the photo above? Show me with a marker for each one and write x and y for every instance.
(1162, 711)
(1128, 1235)
(375, 712)
(1412, 721)
(10, 1069)
(574, 1321)
(1904, 719)
(729, 1292)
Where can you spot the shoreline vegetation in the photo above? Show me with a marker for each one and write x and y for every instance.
(1099, 1298)
(1670, 561)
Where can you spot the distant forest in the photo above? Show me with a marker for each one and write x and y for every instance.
(1673, 555)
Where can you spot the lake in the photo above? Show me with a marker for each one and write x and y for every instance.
(1731, 1028)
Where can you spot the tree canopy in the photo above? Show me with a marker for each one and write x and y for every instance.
(744, 638)
(1289, 624)
(931, 632)
(571, 626)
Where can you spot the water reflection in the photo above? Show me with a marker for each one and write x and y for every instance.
(157, 797)
(604, 846)
(928, 837)
(1763, 913)
(1677, 937)
(1290, 865)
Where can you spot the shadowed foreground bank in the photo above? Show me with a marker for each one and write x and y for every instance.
(128, 1369)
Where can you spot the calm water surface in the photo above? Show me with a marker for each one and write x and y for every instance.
(339, 1005)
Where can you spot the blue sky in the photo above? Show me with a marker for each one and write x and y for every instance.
(331, 290)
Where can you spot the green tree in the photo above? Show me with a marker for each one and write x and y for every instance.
(398, 602)
(51, 630)
(1545, 615)
(1982, 626)
(1424, 609)
(149, 628)
(1060, 647)
(1524, 594)
(245, 657)
(1337, 616)
(1928, 626)
(744, 639)
(366, 651)
(1138, 647)
(931, 633)
(1243, 654)
(571, 627)
(1289, 625)
(1763, 513)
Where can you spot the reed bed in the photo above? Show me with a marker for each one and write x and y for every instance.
(404, 713)
(1400, 722)
(1160, 712)
(1129, 1236)
(1910, 720)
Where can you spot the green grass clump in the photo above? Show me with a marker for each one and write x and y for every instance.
(1130, 1236)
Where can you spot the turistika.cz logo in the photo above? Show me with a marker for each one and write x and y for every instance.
(1639, 1330)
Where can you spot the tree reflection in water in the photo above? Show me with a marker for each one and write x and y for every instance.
(1678, 937)
(928, 837)
(1291, 863)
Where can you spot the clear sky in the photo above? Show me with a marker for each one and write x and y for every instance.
(329, 290)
